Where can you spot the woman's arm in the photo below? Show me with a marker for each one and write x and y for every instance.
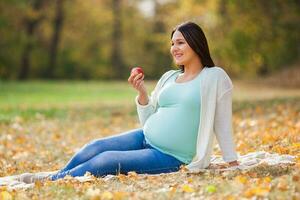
(142, 100)
(223, 127)
(144, 110)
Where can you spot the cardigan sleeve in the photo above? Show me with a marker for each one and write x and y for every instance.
(223, 126)
(144, 111)
(223, 117)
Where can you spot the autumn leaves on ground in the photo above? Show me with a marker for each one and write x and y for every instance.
(43, 124)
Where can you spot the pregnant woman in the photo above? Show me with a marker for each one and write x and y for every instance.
(179, 119)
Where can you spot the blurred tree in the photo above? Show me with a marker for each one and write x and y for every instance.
(57, 29)
(159, 42)
(31, 21)
(103, 39)
(263, 39)
(117, 62)
(85, 46)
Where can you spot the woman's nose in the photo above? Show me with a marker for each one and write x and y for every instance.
(174, 48)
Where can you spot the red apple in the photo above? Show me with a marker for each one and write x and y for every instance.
(137, 70)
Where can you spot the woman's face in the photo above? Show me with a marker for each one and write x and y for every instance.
(181, 51)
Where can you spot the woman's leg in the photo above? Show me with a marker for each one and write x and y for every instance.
(148, 160)
(130, 140)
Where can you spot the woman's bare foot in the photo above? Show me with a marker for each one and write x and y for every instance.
(26, 178)
(33, 177)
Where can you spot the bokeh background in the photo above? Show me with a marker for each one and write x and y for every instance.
(64, 66)
(103, 39)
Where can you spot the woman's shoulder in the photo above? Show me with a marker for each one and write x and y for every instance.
(220, 74)
(166, 75)
(217, 70)
(169, 72)
(172, 71)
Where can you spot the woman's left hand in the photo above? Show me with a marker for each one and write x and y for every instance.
(223, 165)
(233, 163)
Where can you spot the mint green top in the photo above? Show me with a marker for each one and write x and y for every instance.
(173, 129)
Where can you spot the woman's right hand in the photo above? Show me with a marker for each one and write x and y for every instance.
(137, 81)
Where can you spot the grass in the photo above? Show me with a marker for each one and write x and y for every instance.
(40, 93)
(42, 124)
(56, 99)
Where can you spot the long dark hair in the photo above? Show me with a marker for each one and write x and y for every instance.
(196, 39)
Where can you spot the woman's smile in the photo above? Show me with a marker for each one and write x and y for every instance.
(178, 55)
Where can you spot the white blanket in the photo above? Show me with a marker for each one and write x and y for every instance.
(247, 161)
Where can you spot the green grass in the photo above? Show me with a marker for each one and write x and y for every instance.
(41, 93)
(57, 99)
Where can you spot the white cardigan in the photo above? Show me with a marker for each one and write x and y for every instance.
(215, 115)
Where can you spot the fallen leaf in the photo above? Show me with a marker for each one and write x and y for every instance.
(107, 195)
(93, 194)
(5, 195)
(282, 185)
(241, 179)
(257, 191)
(119, 195)
(210, 188)
(187, 188)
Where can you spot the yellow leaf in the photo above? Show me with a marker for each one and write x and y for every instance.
(5, 195)
(189, 180)
(211, 188)
(183, 168)
(242, 145)
(257, 191)
(267, 179)
(38, 184)
(122, 177)
(119, 195)
(187, 188)
(241, 179)
(267, 138)
(107, 195)
(230, 197)
(296, 145)
(173, 190)
(93, 194)
(132, 175)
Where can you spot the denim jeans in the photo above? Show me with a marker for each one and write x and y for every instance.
(119, 154)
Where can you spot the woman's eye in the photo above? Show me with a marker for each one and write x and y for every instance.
(178, 43)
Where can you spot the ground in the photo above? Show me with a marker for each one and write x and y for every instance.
(42, 124)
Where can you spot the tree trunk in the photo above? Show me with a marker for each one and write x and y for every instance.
(57, 28)
(116, 53)
(31, 25)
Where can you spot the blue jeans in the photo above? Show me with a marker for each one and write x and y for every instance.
(119, 154)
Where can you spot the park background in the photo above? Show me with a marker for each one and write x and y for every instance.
(64, 66)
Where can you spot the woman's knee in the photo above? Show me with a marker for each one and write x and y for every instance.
(108, 157)
(107, 160)
(92, 142)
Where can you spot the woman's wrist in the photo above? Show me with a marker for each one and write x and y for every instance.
(233, 163)
(143, 98)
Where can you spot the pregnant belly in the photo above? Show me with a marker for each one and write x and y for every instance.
(171, 130)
